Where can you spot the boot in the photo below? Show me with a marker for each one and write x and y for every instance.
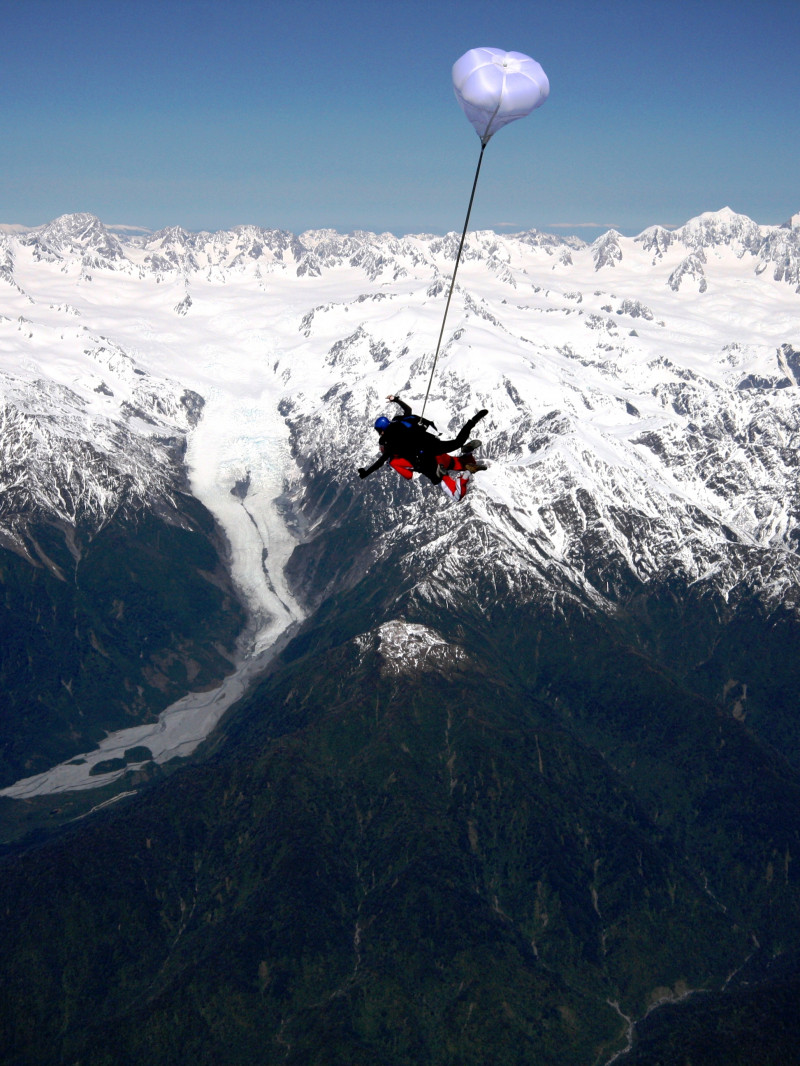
(472, 464)
(471, 446)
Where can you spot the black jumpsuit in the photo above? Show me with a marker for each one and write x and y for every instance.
(416, 445)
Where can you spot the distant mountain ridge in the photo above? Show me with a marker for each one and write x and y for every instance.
(177, 249)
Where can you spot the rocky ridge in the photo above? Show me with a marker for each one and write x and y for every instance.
(643, 419)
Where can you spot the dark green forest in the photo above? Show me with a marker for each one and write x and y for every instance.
(509, 853)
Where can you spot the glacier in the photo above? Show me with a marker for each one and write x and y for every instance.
(642, 392)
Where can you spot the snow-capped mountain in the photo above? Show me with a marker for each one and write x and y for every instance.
(529, 757)
(643, 414)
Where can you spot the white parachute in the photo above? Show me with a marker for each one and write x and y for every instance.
(496, 87)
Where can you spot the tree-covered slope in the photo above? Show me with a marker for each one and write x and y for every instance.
(408, 850)
(103, 629)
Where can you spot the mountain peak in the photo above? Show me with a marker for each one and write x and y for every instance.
(79, 234)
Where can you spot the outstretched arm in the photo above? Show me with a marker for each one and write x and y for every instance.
(424, 422)
(403, 405)
(366, 471)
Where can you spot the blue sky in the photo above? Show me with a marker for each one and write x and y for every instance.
(318, 113)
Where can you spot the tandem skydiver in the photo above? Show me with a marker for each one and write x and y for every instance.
(406, 445)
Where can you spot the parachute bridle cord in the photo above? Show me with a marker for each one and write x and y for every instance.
(493, 88)
(455, 271)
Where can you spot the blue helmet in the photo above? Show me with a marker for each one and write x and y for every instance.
(382, 422)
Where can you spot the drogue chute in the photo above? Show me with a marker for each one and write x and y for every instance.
(496, 87)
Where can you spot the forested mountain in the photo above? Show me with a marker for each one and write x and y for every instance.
(302, 768)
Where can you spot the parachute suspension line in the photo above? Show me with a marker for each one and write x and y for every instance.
(455, 271)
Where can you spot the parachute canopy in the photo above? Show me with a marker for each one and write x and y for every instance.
(495, 87)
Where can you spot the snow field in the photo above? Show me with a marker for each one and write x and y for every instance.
(605, 367)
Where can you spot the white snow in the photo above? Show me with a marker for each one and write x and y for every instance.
(408, 647)
(600, 376)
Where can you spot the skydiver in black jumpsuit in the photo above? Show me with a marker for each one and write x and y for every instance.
(406, 437)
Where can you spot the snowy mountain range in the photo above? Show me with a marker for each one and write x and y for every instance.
(387, 768)
(643, 414)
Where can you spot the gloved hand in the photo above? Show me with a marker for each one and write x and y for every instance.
(362, 472)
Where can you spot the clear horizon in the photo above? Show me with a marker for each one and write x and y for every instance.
(342, 116)
(588, 233)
